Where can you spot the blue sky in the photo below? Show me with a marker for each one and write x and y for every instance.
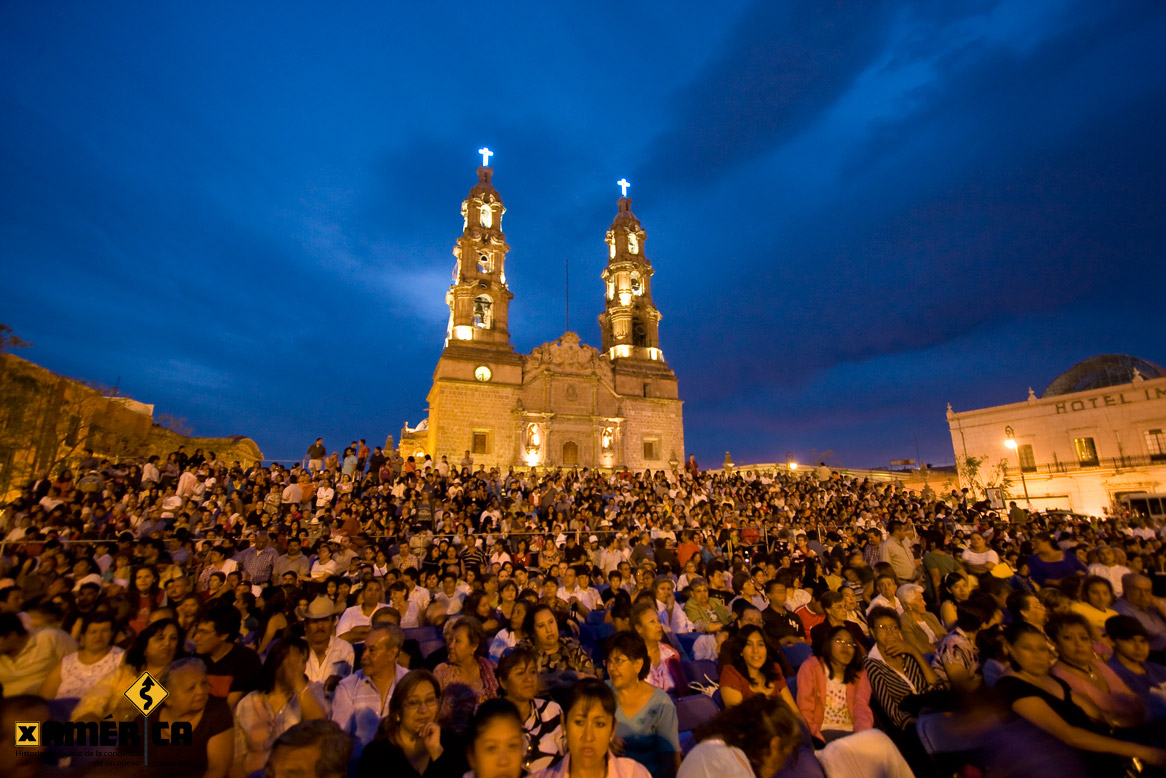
(857, 212)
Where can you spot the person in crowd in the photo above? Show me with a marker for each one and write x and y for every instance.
(956, 661)
(645, 715)
(542, 719)
(895, 669)
(1095, 605)
(1078, 666)
(1107, 567)
(1049, 564)
(495, 741)
(355, 621)
(833, 692)
(189, 699)
(508, 637)
(834, 606)
(589, 729)
(364, 698)
(753, 669)
(781, 626)
(283, 699)
(671, 613)
(664, 668)
(1137, 600)
(316, 748)
(28, 657)
(561, 660)
(1130, 662)
(95, 658)
(1027, 607)
(409, 742)
(468, 675)
(233, 669)
(1049, 703)
(330, 659)
(954, 591)
(152, 651)
(761, 736)
(921, 628)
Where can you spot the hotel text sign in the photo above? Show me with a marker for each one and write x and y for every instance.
(1110, 400)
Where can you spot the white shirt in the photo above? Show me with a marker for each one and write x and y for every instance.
(352, 618)
(357, 706)
(675, 621)
(338, 658)
(988, 557)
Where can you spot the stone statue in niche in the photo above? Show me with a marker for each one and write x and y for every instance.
(572, 393)
(607, 439)
(532, 438)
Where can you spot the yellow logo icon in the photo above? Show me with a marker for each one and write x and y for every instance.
(146, 694)
(27, 734)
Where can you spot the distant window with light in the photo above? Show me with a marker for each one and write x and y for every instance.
(484, 263)
(1027, 459)
(1086, 451)
(486, 216)
(1156, 444)
(633, 243)
(480, 443)
(651, 449)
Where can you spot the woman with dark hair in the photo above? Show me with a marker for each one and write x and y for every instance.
(143, 595)
(560, 659)
(753, 670)
(542, 718)
(751, 740)
(409, 742)
(1096, 606)
(95, 658)
(284, 698)
(467, 678)
(507, 638)
(477, 604)
(896, 670)
(1089, 677)
(956, 659)
(645, 717)
(833, 692)
(1046, 701)
(495, 744)
(955, 590)
(507, 596)
(590, 723)
(273, 611)
(1050, 565)
(152, 651)
(664, 670)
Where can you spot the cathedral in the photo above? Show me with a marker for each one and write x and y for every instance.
(566, 404)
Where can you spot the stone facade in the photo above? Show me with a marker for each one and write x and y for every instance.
(1077, 450)
(566, 403)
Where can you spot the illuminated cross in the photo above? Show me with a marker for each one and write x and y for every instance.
(486, 154)
(623, 185)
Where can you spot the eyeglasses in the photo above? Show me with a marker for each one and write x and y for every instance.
(415, 705)
(617, 660)
(888, 628)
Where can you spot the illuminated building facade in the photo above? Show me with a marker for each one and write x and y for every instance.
(1096, 433)
(566, 404)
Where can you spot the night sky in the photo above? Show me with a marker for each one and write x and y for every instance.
(858, 212)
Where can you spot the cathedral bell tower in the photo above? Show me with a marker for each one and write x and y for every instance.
(630, 323)
(479, 299)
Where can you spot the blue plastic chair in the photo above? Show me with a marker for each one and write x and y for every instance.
(797, 654)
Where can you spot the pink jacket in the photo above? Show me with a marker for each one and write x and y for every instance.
(812, 697)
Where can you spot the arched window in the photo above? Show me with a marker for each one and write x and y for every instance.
(484, 263)
(483, 312)
(633, 243)
(637, 284)
(639, 333)
(611, 289)
(570, 453)
(486, 216)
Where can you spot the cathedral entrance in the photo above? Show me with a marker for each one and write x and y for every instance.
(570, 453)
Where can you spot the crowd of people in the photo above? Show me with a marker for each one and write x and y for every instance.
(367, 614)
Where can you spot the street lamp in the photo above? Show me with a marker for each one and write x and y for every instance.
(1010, 442)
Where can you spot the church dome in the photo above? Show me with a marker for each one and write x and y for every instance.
(1101, 371)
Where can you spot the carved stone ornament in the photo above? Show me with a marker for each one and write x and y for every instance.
(568, 355)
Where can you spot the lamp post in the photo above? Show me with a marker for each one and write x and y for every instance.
(1010, 442)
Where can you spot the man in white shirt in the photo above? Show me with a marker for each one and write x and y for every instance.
(362, 699)
(329, 657)
(450, 594)
(355, 621)
(886, 586)
(27, 657)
